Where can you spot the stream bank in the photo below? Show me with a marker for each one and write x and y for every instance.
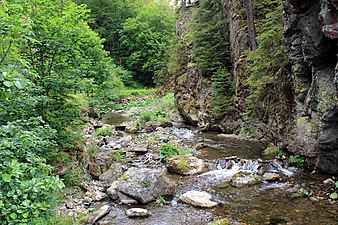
(126, 172)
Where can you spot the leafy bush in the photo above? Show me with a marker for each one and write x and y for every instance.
(103, 131)
(168, 150)
(297, 160)
(28, 190)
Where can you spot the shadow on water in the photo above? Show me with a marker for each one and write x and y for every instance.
(115, 118)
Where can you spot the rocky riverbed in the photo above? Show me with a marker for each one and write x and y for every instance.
(219, 176)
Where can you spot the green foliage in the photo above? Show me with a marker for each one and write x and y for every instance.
(334, 195)
(28, 190)
(146, 39)
(168, 150)
(223, 93)
(297, 160)
(107, 18)
(270, 94)
(211, 49)
(117, 156)
(103, 131)
(221, 222)
(211, 52)
(161, 201)
(304, 192)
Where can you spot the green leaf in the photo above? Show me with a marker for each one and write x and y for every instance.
(19, 84)
(336, 184)
(6, 177)
(334, 195)
(8, 83)
(25, 215)
(13, 216)
(26, 202)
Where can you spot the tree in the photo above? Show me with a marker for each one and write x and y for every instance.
(107, 18)
(251, 25)
(146, 40)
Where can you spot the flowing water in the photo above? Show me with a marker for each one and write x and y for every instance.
(265, 202)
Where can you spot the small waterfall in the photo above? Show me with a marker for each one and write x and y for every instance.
(222, 170)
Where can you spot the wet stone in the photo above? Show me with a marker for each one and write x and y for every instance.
(100, 213)
(198, 198)
(137, 212)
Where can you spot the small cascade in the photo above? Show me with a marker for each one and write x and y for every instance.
(184, 133)
(223, 170)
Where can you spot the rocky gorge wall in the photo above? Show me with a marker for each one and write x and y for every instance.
(311, 40)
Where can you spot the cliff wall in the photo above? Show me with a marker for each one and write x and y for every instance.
(310, 32)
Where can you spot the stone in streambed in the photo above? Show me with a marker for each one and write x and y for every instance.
(137, 212)
(145, 185)
(185, 165)
(245, 178)
(198, 198)
(100, 213)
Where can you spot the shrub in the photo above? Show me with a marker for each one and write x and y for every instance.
(297, 160)
(28, 190)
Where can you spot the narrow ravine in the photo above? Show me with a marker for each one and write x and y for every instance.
(245, 187)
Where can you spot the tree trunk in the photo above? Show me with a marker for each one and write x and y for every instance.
(251, 25)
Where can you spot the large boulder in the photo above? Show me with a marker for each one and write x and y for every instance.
(145, 185)
(185, 165)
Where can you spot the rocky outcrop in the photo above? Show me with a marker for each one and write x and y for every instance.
(192, 90)
(309, 34)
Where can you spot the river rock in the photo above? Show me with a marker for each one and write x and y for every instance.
(94, 169)
(271, 176)
(126, 199)
(99, 196)
(198, 198)
(116, 170)
(185, 165)
(137, 212)
(109, 219)
(144, 184)
(100, 213)
(245, 178)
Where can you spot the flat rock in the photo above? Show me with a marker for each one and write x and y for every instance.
(145, 185)
(198, 198)
(185, 165)
(100, 213)
(108, 219)
(126, 199)
(137, 212)
(271, 176)
(242, 179)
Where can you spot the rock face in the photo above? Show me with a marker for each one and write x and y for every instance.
(198, 198)
(311, 33)
(313, 58)
(144, 185)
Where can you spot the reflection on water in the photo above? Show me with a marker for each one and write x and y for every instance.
(115, 118)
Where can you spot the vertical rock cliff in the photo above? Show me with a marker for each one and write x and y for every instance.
(312, 50)
(311, 127)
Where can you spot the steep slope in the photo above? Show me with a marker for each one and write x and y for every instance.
(303, 116)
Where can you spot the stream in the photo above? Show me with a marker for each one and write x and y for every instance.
(263, 200)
